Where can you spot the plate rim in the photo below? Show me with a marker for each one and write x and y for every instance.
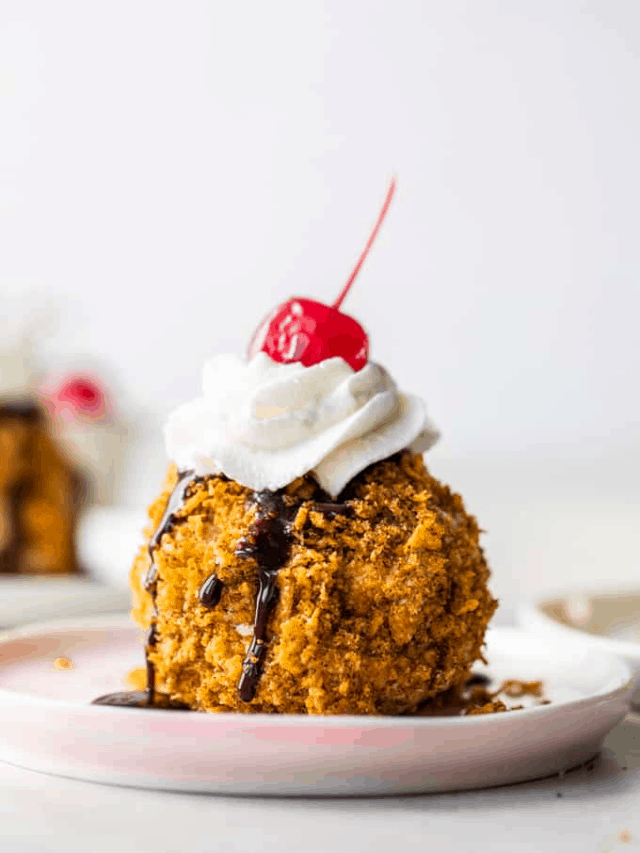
(618, 669)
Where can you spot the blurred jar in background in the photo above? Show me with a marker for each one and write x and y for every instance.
(62, 446)
(90, 431)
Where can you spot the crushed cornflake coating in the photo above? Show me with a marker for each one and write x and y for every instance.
(378, 610)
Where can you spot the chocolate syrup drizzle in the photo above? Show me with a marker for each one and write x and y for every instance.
(331, 509)
(150, 698)
(210, 591)
(174, 505)
(268, 542)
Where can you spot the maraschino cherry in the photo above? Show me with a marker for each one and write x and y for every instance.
(306, 331)
(82, 393)
(78, 396)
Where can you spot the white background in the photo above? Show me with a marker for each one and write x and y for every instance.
(170, 171)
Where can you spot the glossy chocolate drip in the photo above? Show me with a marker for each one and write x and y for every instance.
(268, 543)
(148, 698)
(210, 591)
(174, 504)
(252, 665)
(331, 510)
(149, 643)
(18, 492)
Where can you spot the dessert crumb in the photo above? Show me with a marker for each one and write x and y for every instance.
(495, 707)
(63, 663)
(625, 836)
(515, 688)
(558, 795)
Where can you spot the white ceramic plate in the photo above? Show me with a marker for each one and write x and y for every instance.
(604, 620)
(47, 724)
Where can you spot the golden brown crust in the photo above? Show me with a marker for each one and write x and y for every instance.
(377, 612)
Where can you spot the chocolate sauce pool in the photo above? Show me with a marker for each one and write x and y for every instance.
(139, 699)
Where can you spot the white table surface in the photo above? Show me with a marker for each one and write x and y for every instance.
(586, 810)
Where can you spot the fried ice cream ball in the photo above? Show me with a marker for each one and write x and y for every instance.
(380, 607)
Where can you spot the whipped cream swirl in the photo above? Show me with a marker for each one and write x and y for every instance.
(264, 424)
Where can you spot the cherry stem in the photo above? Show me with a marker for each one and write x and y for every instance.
(361, 259)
